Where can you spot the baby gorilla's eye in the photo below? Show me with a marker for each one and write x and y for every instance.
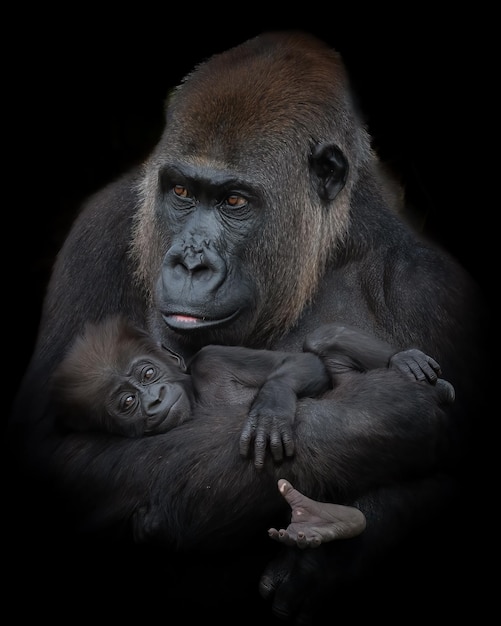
(148, 373)
(128, 401)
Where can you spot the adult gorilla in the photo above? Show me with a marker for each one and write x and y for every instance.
(262, 214)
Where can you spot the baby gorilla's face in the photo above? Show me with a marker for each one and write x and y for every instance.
(148, 396)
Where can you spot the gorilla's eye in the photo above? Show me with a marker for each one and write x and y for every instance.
(181, 191)
(236, 201)
(148, 373)
(128, 401)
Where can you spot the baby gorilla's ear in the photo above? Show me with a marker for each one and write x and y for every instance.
(176, 357)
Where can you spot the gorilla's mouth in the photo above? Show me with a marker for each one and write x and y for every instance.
(181, 322)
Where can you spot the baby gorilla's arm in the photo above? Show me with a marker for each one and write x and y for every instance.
(313, 522)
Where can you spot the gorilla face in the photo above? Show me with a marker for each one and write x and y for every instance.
(145, 397)
(246, 194)
(206, 282)
(115, 378)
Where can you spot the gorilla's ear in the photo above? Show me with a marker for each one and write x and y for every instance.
(177, 358)
(329, 169)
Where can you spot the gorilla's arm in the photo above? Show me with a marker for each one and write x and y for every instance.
(269, 381)
(235, 374)
(175, 487)
(344, 348)
(96, 246)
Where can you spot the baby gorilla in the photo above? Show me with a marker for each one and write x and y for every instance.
(117, 379)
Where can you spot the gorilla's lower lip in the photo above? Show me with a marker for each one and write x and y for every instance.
(186, 323)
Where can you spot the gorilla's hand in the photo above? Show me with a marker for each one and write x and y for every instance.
(313, 522)
(270, 423)
(416, 365)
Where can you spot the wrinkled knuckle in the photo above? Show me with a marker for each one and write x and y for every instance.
(276, 443)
